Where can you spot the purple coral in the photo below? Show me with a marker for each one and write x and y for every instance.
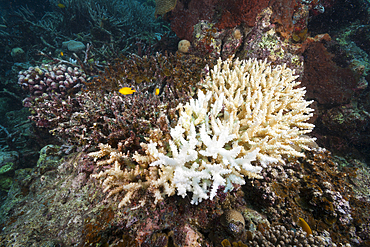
(57, 79)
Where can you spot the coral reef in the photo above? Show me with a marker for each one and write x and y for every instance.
(194, 155)
(158, 71)
(207, 40)
(314, 188)
(112, 27)
(343, 115)
(261, 41)
(59, 193)
(290, 17)
(263, 101)
(100, 114)
(131, 179)
(88, 118)
(349, 122)
(43, 200)
(48, 191)
(8, 164)
(232, 42)
(187, 14)
(224, 14)
(250, 111)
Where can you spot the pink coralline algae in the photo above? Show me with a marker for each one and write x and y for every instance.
(210, 41)
(51, 79)
(261, 42)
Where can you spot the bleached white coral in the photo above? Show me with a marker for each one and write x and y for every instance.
(266, 106)
(193, 172)
(204, 154)
(250, 111)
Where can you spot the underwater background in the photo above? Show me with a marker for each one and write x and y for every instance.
(184, 123)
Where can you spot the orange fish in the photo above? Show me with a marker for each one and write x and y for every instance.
(302, 223)
(126, 90)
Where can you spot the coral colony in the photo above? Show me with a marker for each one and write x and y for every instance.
(58, 79)
(248, 112)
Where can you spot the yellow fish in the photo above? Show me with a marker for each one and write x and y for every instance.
(61, 53)
(156, 91)
(302, 223)
(60, 5)
(126, 90)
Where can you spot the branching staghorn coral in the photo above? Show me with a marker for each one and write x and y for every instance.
(250, 113)
(88, 118)
(129, 177)
(263, 106)
(117, 18)
(177, 72)
(110, 26)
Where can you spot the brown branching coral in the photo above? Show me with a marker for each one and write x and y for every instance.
(89, 118)
(178, 72)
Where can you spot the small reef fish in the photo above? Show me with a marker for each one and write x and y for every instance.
(156, 91)
(302, 223)
(61, 53)
(126, 90)
(60, 5)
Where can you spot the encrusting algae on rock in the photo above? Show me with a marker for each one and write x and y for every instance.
(247, 116)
